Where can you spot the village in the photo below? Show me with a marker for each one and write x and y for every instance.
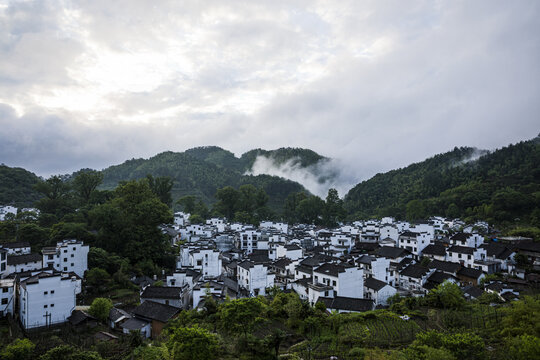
(354, 267)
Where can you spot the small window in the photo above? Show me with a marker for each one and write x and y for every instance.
(52, 305)
(72, 255)
(65, 251)
(65, 259)
(45, 306)
(5, 290)
(65, 268)
(74, 248)
(72, 264)
(45, 292)
(52, 291)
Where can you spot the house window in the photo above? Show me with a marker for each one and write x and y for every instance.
(45, 306)
(334, 282)
(45, 292)
(72, 264)
(72, 255)
(65, 251)
(65, 259)
(52, 305)
(74, 248)
(4, 301)
(52, 292)
(65, 268)
(5, 290)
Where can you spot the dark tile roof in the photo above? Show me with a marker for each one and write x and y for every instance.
(431, 249)
(246, 264)
(155, 311)
(408, 233)
(470, 273)
(78, 317)
(415, 271)
(473, 291)
(115, 314)
(161, 292)
(460, 236)
(134, 324)
(439, 277)
(461, 249)
(330, 269)
(527, 246)
(445, 266)
(23, 259)
(282, 263)
(374, 284)
(391, 252)
(365, 259)
(347, 303)
(15, 245)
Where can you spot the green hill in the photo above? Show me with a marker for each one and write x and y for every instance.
(201, 171)
(500, 186)
(16, 187)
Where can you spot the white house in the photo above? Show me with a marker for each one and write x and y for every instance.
(26, 262)
(413, 278)
(465, 255)
(292, 252)
(3, 262)
(169, 295)
(5, 210)
(347, 281)
(415, 242)
(376, 267)
(250, 240)
(17, 248)
(388, 231)
(370, 233)
(67, 256)
(182, 277)
(181, 218)
(206, 261)
(47, 298)
(464, 239)
(255, 278)
(378, 291)
(7, 297)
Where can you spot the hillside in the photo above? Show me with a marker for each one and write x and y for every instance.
(201, 171)
(16, 187)
(500, 186)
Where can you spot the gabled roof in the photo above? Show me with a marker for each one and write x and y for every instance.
(437, 250)
(78, 317)
(414, 271)
(438, 277)
(374, 284)
(496, 250)
(15, 245)
(155, 311)
(445, 266)
(161, 292)
(460, 236)
(331, 269)
(470, 273)
(461, 249)
(23, 259)
(134, 324)
(115, 314)
(391, 252)
(282, 263)
(409, 233)
(246, 264)
(473, 291)
(347, 303)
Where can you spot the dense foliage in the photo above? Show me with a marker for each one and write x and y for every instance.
(202, 171)
(499, 187)
(17, 187)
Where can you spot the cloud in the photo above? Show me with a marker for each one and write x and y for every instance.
(374, 85)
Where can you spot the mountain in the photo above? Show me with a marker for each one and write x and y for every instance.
(17, 187)
(499, 186)
(201, 171)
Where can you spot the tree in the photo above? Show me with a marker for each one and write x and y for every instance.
(151, 353)
(227, 198)
(128, 224)
(310, 210)
(86, 182)
(523, 347)
(188, 203)
(192, 343)
(97, 277)
(66, 352)
(522, 318)
(333, 211)
(19, 349)
(241, 315)
(56, 198)
(161, 187)
(100, 308)
(447, 295)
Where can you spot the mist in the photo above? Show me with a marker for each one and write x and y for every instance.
(316, 178)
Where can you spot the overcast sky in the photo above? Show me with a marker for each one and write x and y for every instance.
(374, 84)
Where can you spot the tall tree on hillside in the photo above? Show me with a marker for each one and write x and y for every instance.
(290, 209)
(227, 199)
(128, 223)
(161, 187)
(333, 210)
(56, 196)
(86, 182)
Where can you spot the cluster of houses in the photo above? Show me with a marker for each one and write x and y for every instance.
(355, 267)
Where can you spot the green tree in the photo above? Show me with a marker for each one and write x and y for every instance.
(86, 182)
(97, 277)
(161, 187)
(310, 210)
(66, 352)
(192, 343)
(241, 315)
(522, 318)
(333, 211)
(100, 308)
(523, 347)
(227, 199)
(56, 198)
(416, 210)
(151, 353)
(447, 295)
(188, 203)
(128, 224)
(34, 234)
(19, 349)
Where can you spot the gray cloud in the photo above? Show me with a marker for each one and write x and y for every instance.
(374, 85)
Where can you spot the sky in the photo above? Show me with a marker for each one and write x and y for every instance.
(375, 85)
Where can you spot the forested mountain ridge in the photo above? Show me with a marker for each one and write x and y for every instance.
(201, 171)
(17, 187)
(500, 186)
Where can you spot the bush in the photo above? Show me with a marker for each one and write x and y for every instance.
(19, 349)
(100, 308)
